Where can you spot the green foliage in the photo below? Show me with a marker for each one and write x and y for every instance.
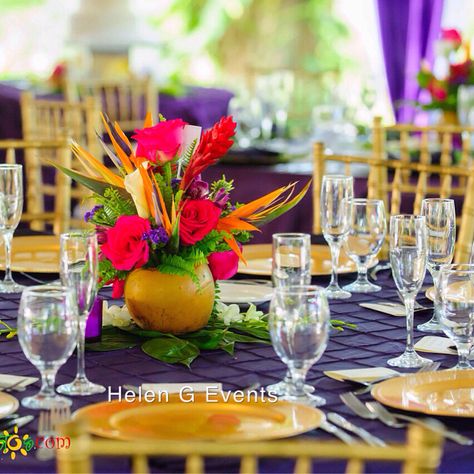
(113, 339)
(188, 154)
(7, 329)
(222, 183)
(184, 265)
(165, 187)
(171, 350)
(114, 206)
(108, 273)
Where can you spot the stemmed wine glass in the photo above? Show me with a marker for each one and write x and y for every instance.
(456, 290)
(291, 266)
(335, 192)
(365, 238)
(408, 260)
(11, 207)
(440, 216)
(47, 331)
(79, 271)
(299, 326)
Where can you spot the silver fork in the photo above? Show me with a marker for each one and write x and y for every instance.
(393, 420)
(48, 424)
(368, 385)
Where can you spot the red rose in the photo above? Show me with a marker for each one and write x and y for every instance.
(223, 265)
(125, 247)
(161, 142)
(117, 288)
(458, 73)
(452, 35)
(198, 218)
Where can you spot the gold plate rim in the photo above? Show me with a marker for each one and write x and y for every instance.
(266, 250)
(396, 388)
(48, 243)
(112, 433)
(8, 399)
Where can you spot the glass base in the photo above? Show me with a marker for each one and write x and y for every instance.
(409, 360)
(43, 402)
(464, 366)
(306, 399)
(432, 325)
(362, 287)
(281, 388)
(11, 287)
(336, 293)
(80, 387)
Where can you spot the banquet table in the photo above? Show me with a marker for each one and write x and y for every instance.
(377, 338)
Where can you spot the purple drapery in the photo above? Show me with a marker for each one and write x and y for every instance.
(408, 29)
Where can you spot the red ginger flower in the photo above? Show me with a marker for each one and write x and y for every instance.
(213, 145)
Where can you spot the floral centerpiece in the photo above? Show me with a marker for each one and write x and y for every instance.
(166, 234)
(453, 67)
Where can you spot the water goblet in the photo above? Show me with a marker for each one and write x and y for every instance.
(365, 238)
(299, 326)
(456, 291)
(291, 265)
(47, 331)
(335, 191)
(11, 207)
(408, 261)
(440, 216)
(79, 271)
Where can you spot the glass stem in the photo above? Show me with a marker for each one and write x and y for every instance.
(81, 339)
(362, 274)
(335, 250)
(48, 378)
(464, 351)
(7, 239)
(410, 309)
(298, 377)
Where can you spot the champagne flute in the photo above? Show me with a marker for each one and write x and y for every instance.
(365, 238)
(456, 290)
(11, 207)
(47, 331)
(299, 327)
(291, 266)
(408, 260)
(440, 217)
(79, 271)
(335, 191)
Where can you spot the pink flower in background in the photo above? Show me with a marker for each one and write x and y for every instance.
(223, 265)
(161, 142)
(452, 35)
(125, 247)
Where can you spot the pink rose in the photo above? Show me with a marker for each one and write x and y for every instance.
(161, 142)
(125, 247)
(117, 288)
(452, 35)
(223, 265)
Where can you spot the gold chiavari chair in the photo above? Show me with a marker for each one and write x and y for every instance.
(44, 119)
(421, 453)
(385, 181)
(126, 102)
(38, 155)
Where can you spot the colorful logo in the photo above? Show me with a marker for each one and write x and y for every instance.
(12, 443)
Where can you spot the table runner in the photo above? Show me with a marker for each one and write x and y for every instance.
(377, 338)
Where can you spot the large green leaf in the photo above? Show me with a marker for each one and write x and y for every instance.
(171, 350)
(258, 330)
(113, 339)
(206, 338)
(236, 337)
(133, 329)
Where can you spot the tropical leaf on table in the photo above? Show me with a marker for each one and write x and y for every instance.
(171, 350)
(113, 339)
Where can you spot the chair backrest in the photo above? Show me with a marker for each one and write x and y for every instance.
(385, 181)
(421, 453)
(43, 181)
(126, 102)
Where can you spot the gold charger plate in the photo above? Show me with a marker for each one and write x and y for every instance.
(199, 420)
(459, 291)
(8, 404)
(430, 293)
(34, 253)
(259, 260)
(443, 393)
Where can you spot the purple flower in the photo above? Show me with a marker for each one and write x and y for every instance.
(175, 182)
(221, 198)
(90, 214)
(199, 189)
(156, 236)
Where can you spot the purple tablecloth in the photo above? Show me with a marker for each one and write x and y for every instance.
(199, 106)
(377, 338)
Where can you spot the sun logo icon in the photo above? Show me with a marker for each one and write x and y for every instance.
(12, 443)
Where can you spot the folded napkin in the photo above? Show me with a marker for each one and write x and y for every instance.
(393, 309)
(7, 380)
(361, 375)
(438, 345)
(177, 387)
